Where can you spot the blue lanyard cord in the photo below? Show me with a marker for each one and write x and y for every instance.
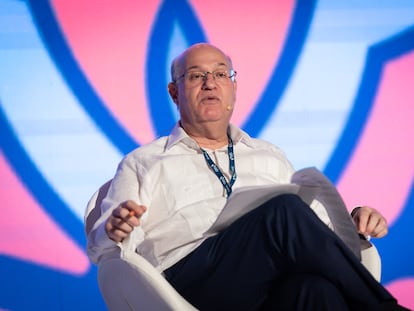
(217, 171)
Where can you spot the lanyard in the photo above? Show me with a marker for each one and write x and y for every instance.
(217, 171)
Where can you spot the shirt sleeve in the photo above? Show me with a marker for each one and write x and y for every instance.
(124, 186)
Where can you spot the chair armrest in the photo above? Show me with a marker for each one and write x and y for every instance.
(132, 283)
(371, 259)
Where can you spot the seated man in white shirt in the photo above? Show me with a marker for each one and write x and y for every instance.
(167, 194)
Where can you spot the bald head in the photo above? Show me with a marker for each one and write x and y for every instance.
(178, 66)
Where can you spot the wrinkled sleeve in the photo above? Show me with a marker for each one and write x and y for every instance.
(124, 187)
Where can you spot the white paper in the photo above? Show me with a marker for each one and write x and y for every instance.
(310, 184)
(243, 200)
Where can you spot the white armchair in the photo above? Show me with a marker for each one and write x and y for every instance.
(128, 281)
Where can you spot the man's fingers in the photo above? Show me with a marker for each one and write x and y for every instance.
(131, 209)
(378, 230)
(129, 212)
(362, 221)
(123, 219)
(117, 235)
(371, 222)
(381, 233)
(121, 224)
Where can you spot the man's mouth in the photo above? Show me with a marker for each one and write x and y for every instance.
(210, 98)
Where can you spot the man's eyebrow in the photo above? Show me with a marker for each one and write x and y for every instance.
(222, 64)
(199, 68)
(192, 67)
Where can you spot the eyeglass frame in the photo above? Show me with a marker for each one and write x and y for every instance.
(231, 75)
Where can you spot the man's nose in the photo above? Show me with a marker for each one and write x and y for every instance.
(209, 81)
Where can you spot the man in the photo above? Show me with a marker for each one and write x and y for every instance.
(167, 194)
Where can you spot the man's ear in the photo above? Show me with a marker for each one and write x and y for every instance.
(173, 91)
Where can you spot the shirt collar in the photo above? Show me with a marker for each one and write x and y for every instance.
(179, 135)
(240, 136)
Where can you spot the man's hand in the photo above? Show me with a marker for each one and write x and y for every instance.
(370, 222)
(123, 220)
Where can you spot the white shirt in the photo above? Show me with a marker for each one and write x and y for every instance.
(182, 194)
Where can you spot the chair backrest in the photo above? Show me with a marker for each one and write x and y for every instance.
(93, 210)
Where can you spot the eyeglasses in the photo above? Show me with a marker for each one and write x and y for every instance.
(198, 77)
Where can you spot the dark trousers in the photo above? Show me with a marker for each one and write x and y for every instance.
(280, 256)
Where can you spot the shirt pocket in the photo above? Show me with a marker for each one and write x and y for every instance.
(188, 190)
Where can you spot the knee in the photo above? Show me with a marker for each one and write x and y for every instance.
(288, 199)
(287, 203)
(286, 209)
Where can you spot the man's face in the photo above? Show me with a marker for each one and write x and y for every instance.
(205, 100)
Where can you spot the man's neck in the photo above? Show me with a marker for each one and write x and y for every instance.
(212, 137)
